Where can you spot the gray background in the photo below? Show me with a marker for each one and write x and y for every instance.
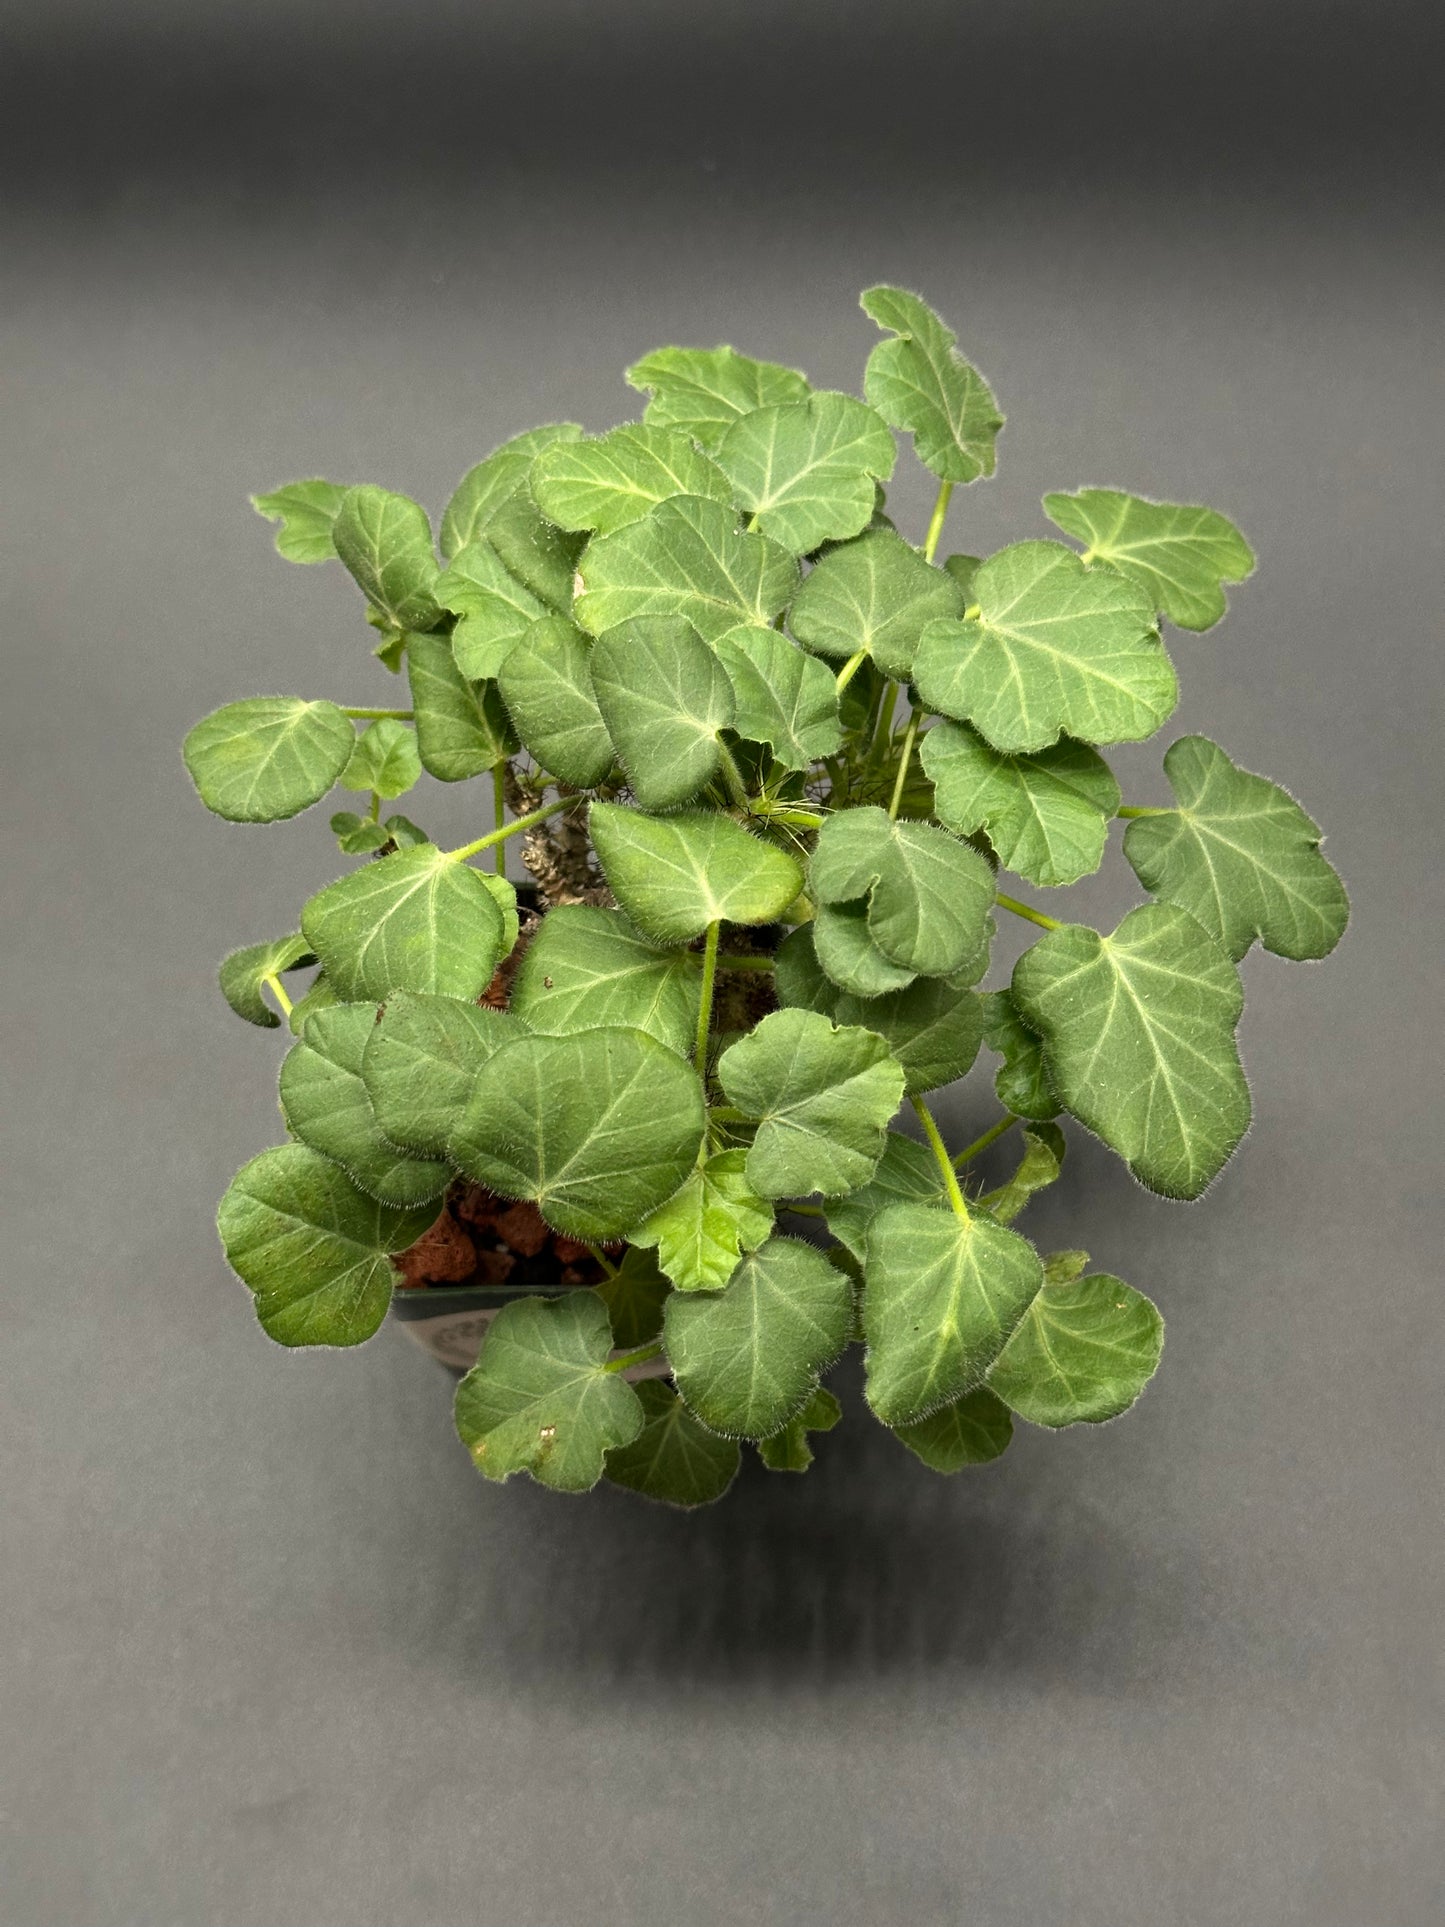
(272, 1653)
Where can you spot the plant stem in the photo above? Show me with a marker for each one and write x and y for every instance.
(1023, 910)
(378, 715)
(970, 1152)
(737, 789)
(517, 824)
(596, 1251)
(499, 806)
(1140, 809)
(799, 819)
(273, 984)
(376, 806)
(935, 526)
(725, 1114)
(940, 1152)
(639, 1357)
(806, 1210)
(850, 669)
(744, 960)
(704, 1009)
(904, 760)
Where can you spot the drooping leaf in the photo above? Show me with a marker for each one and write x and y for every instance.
(1056, 649)
(1020, 1082)
(807, 470)
(492, 483)
(822, 1097)
(244, 971)
(972, 1430)
(785, 698)
(385, 542)
(798, 977)
(941, 1296)
(597, 1128)
(461, 727)
(326, 1105)
(1240, 855)
(634, 1296)
(495, 610)
(269, 757)
(789, 1450)
(546, 683)
(1180, 555)
(1047, 815)
(907, 1171)
(385, 759)
(933, 1029)
(920, 382)
(674, 1459)
(674, 875)
(876, 593)
(314, 1249)
(1138, 1031)
(540, 1398)
(747, 1359)
(846, 953)
(587, 966)
(603, 483)
(703, 1229)
(928, 893)
(420, 1059)
(417, 920)
(1042, 1160)
(703, 391)
(306, 511)
(1082, 1353)
(687, 557)
(664, 696)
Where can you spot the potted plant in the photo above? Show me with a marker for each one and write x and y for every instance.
(772, 769)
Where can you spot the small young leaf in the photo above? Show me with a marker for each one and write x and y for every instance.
(385, 542)
(462, 727)
(920, 382)
(306, 511)
(495, 610)
(822, 1097)
(1043, 1159)
(492, 483)
(312, 1247)
(1180, 555)
(798, 977)
(875, 593)
(1138, 1031)
(807, 470)
(907, 1172)
(546, 683)
(703, 391)
(674, 1459)
(703, 1229)
(358, 835)
(972, 1430)
(420, 1061)
(846, 953)
(747, 1358)
(634, 1296)
(929, 895)
(418, 920)
(540, 1398)
(385, 759)
(587, 967)
(687, 557)
(1240, 855)
(1082, 1353)
(244, 971)
(269, 757)
(932, 1029)
(664, 696)
(1019, 1082)
(789, 1450)
(1046, 815)
(604, 483)
(785, 698)
(674, 875)
(1063, 1267)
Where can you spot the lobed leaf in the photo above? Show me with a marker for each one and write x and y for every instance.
(546, 683)
(704, 1228)
(664, 697)
(603, 483)
(687, 557)
(1039, 1167)
(673, 1459)
(306, 512)
(674, 875)
(907, 1172)
(385, 759)
(462, 727)
(244, 971)
(807, 470)
(784, 698)
(268, 758)
(417, 920)
(1082, 1353)
(385, 542)
(929, 895)
(587, 966)
(920, 382)
(1047, 815)
(846, 953)
(703, 391)
(420, 1060)
(495, 610)
(1181, 556)
(876, 593)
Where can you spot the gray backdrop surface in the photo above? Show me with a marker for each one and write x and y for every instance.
(273, 1653)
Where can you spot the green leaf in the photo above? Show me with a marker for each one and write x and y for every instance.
(1180, 555)
(747, 1358)
(674, 875)
(418, 920)
(822, 1097)
(306, 511)
(269, 757)
(462, 727)
(877, 594)
(941, 1296)
(687, 557)
(907, 1171)
(325, 1104)
(789, 1450)
(597, 1128)
(1063, 1267)
(604, 483)
(1046, 815)
(540, 1398)
(421, 1058)
(546, 683)
(703, 391)
(1056, 648)
(1040, 1165)
(963, 569)
(1020, 1082)
(929, 895)
(320, 996)
(1138, 1031)
(703, 1229)
(1083, 1353)
(932, 1029)
(314, 1249)
(385, 759)
(664, 695)
(391, 651)
(674, 1459)
(807, 470)
(971, 1430)
(539, 556)
(847, 954)
(920, 382)
(1240, 855)
(798, 977)
(587, 966)
(244, 971)
(386, 544)
(634, 1296)
(489, 486)
(495, 610)
(358, 835)
(785, 698)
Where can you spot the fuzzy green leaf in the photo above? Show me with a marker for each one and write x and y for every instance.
(418, 920)
(596, 1128)
(785, 698)
(1082, 1353)
(313, 1248)
(244, 971)
(604, 483)
(358, 835)
(674, 875)
(306, 512)
(535, 553)
(664, 696)
(1138, 1031)
(876, 593)
(674, 1459)
(319, 996)
(807, 470)
(1046, 815)
(846, 953)
(1063, 1267)
(421, 1058)
(1180, 555)
(972, 1430)
(587, 966)
(932, 1029)
(907, 1172)
(634, 1296)
(920, 382)
(929, 895)
(492, 483)
(495, 610)
(1040, 1165)
(963, 569)
(385, 759)
(1240, 855)
(687, 557)
(546, 683)
(1019, 1081)
(941, 1296)
(789, 1450)
(540, 1398)
(703, 391)
(703, 1229)
(747, 1358)
(822, 1097)
(269, 757)
(462, 727)
(1056, 648)
(385, 542)
(799, 978)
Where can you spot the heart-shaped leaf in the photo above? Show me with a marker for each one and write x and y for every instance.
(875, 593)
(664, 696)
(1042, 1160)
(807, 470)
(785, 698)
(673, 1459)
(1180, 555)
(687, 557)
(604, 483)
(246, 970)
(385, 759)
(920, 382)
(929, 895)
(932, 1029)
(546, 683)
(703, 1229)
(1082, 1353)
(306, 511)
(420, 1060)
(385, 542)
(907, 1172)
(587, 966)
(462, 727)
(1020, 1082)
(674, 875)
(495, 610)
(418, 920)
(789, 1450)
(1047, 815)
(269, 757)
(972, 1430)
(703, 391)
(492, 483)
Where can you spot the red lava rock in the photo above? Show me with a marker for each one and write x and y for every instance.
(521, 1229)
(445, 1255)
